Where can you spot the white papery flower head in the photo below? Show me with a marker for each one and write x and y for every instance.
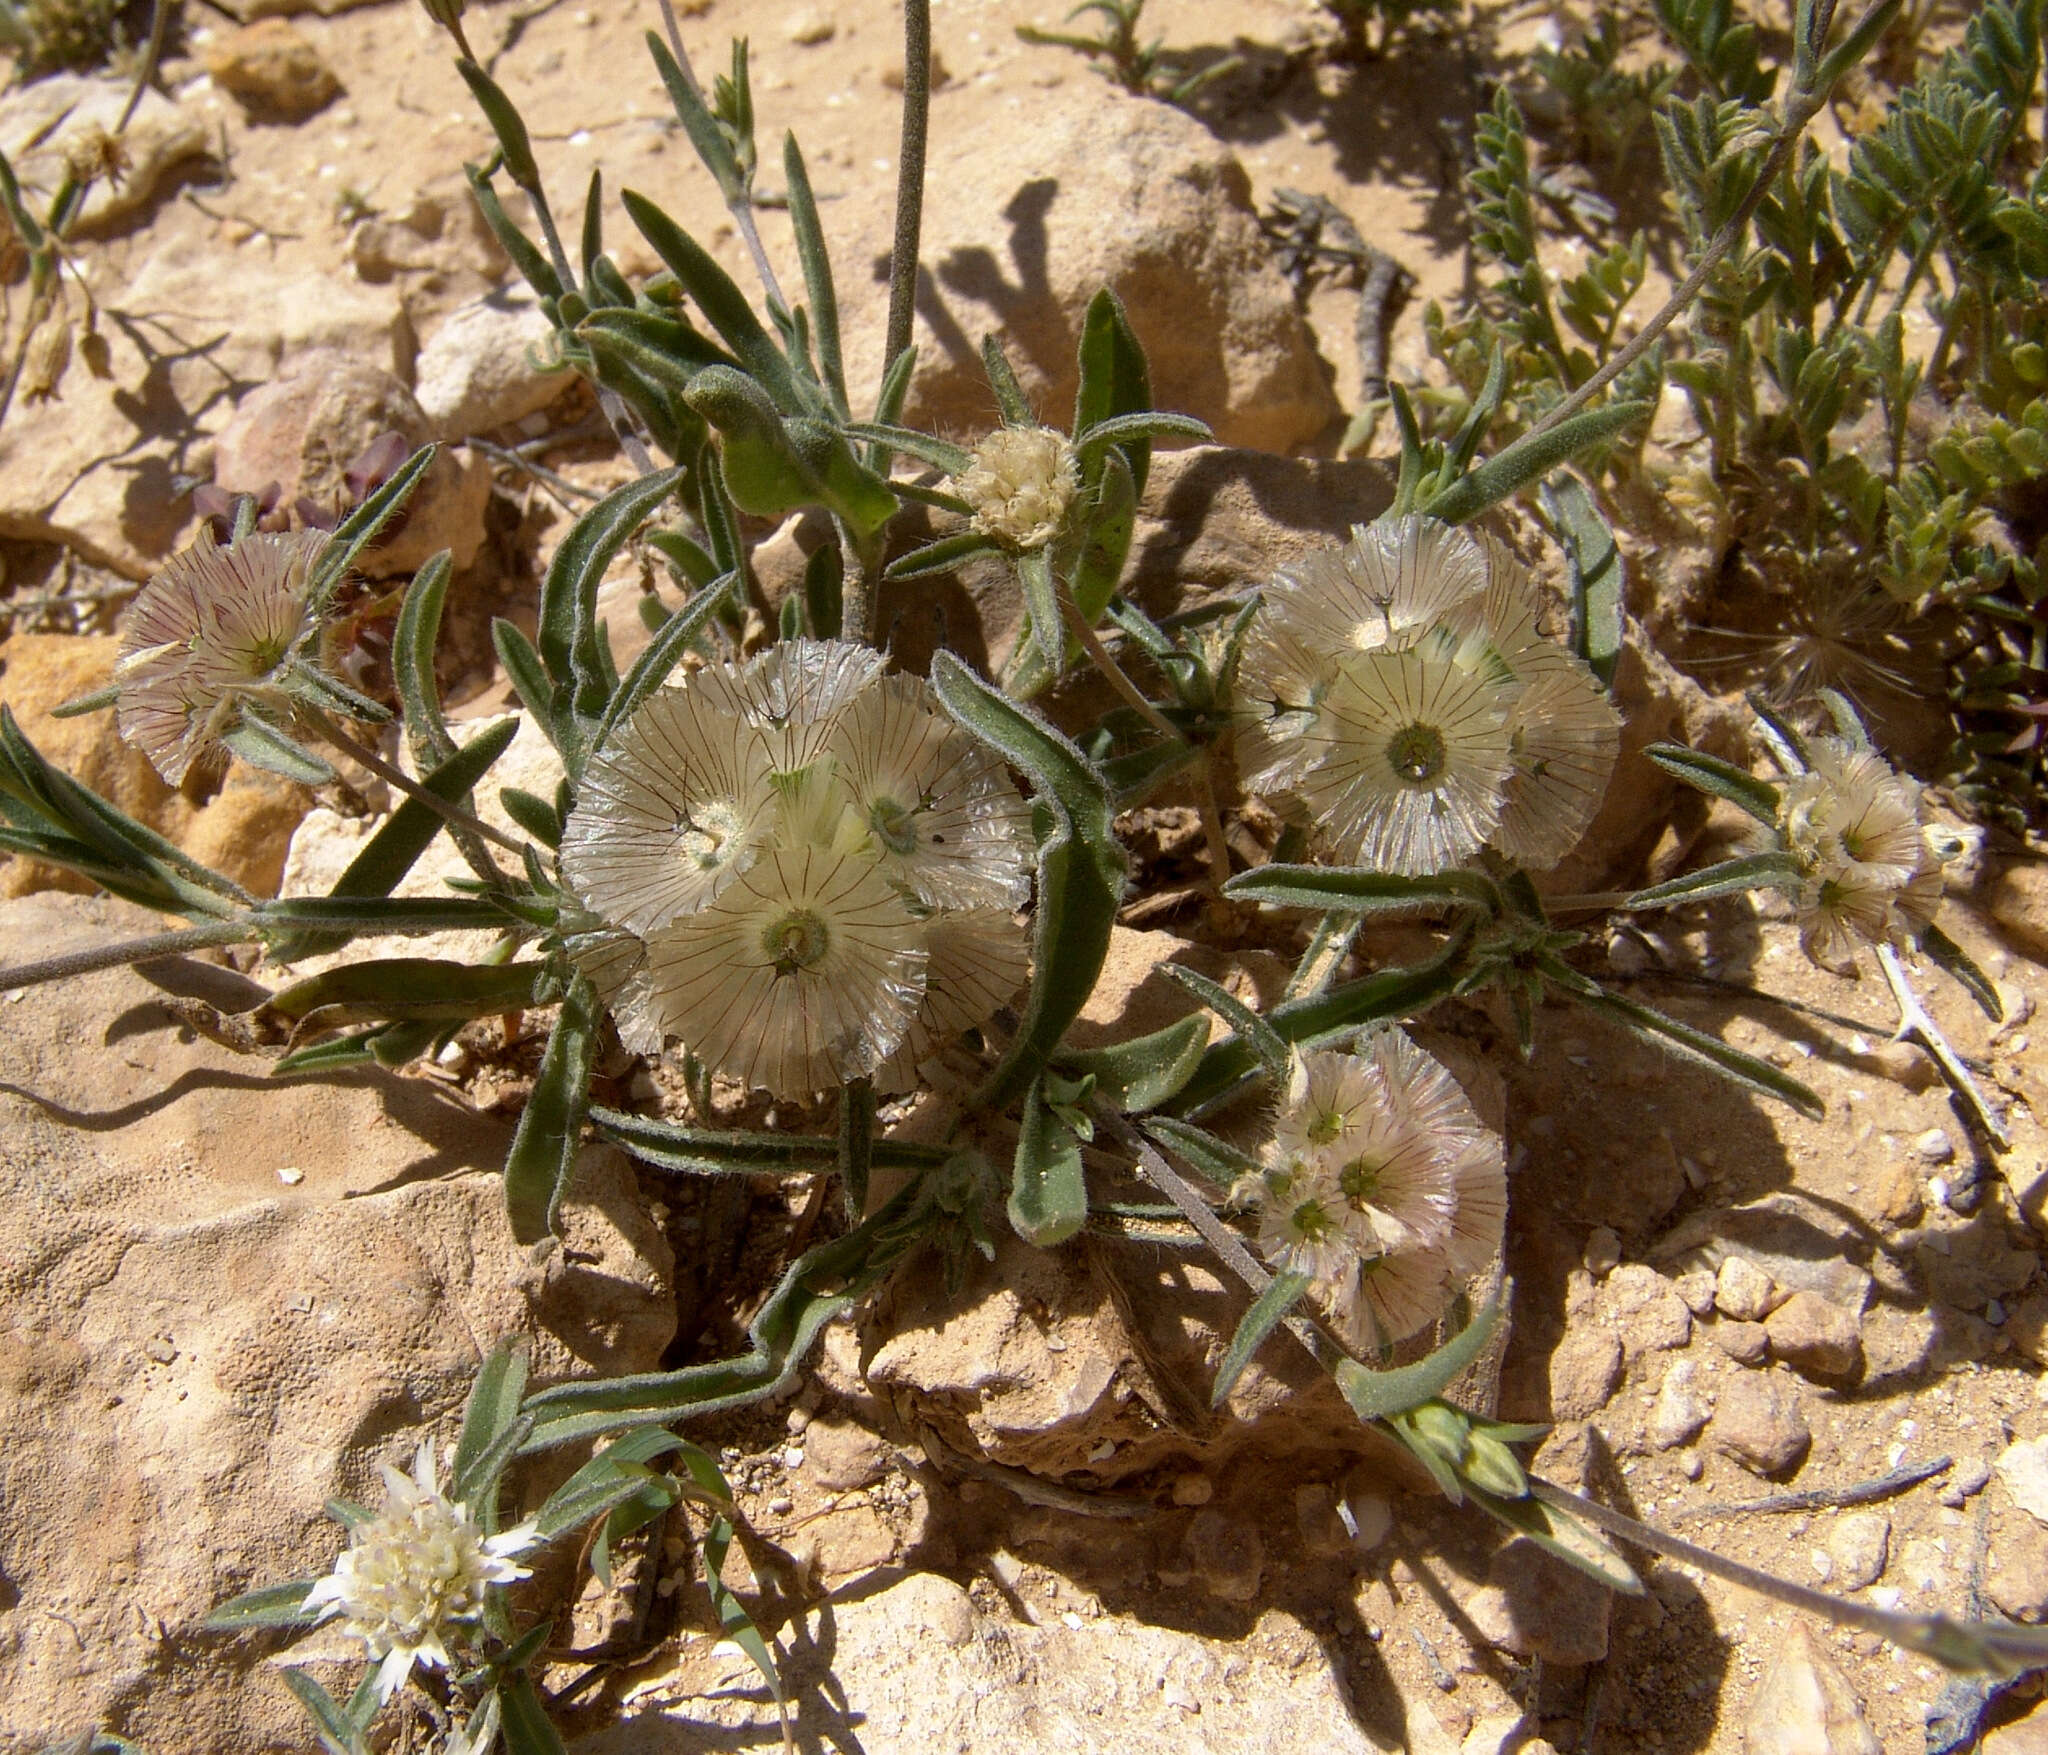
(415, 1575)
(1380, 1180)
(975, 961)
(1020, 485)
(213, 631)
(1403, 689)
(1869, 868)
(1412, 759)
(946, 821)
(804, 972)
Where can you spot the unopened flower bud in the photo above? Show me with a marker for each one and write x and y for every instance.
(1020, 485)
(46, 358)
(1493, 1468)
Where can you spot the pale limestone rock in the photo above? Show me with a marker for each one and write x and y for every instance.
(1758, 1422)
(477, 373)
(195, 1354)
(1805, 1705)
(42, 122)
(1815, 1337)
(274, 71)
(1583, 1372)
(1679, 1412)
(1857, 1544)
(2024, 1470)
(1536, 1606)
(1116, 192)
(1743, 1290)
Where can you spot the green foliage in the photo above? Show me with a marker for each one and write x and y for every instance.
(55, 34)
(1144, 69)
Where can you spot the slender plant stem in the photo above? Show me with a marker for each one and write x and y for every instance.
(152, 57)
(1799, 110)
(1915, 1024)
(134, 950)
(452, 814)
(1098, 655)
(917, 104)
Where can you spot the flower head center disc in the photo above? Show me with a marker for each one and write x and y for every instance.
(1417, 755)
(895, 826)
(1360, 1182)
(798, 940)
(707, 835)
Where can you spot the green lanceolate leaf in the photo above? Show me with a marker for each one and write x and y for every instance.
(817, 266)
(699, 123)
(1266, 1314)
(528, 675)
(1597, 574)
(943, 556)
(1215, 1160)
(614, 1475)
(1778, 870)
(543, 1154)
(275, 1605)
(1010, 397)
(505, 122)
(412, 662)
(381, 914)
(654, 665)
(1304, 1022)
(1081, 870)
(1144, 1072)
(1112, 524)
(362, 526)
(387, 989)
(1531, 457)
(536, 815)
(524, 1722)
(699, 1151)
(1722, 779)
(822, 1282)
(1264, 1041)
(1374, 1395)
(1042, 608)
(94, 701)
(1947, 954)
(537, 270)
(568, 636)
(1573, 1541)
(1113, 380)
(1048, 1193)
(939, 453)
(263, 745)
(338, 1733)
(493, 1408)
(1355, 890)
(1745, 1069)
(724, 306)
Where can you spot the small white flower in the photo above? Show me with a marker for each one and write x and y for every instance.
(215, 630)
(1563, 737)
(1301, 1222)
(1020, 485)
(415, 1575)
(975, 961)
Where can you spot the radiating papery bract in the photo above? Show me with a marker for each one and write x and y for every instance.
(669, 812)
(795, 692)
(1380, 1180)
(1412, 760)
(805, 971)
(211, 633)
(947, 822)
(976, 959)
(1563, 737)
(1403, 690)
(415, 1575)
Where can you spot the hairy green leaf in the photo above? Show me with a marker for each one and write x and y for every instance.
(544, 1148)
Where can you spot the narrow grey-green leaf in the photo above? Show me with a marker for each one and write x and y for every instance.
(1010, 397)
(362, 526)
(1754, 872)
(1373, 1395)
(1531, 457)
(945, 555)
(1267, 1311)
(1142, 1073)
(412, 661)
(1216, 1161)
(492, 1409)
(1356, 890)
(1081, 870)
(816, 258)
(1949, 955)
(663, 653)
(939, 453)
(337, 1731)
(275, 1605)
(1723, 779)
(1048, 1192)
(418, 988)
(1745, 1069)
(263, 745)
(1264, 1041)
(1599, 579)
(544, 1147)
(1572, 1540)
(524, 1722)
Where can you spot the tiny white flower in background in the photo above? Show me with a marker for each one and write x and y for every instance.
(1020, 486)
(1869, 866)
(415, 1575)
(1402, 689)
(215, 628)
(1382, 1183)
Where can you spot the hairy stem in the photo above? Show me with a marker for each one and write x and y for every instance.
(1098, 655)
(917, 104)
(1916, 1025)
(134, 950)
(453, 815)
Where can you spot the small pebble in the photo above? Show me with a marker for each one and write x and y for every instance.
(1858, 1544)
(798, 1421)
(1602, 1253)
(792, 1459)
(1193, 1490)
(1697, 1290)
(1965, 1481)
(1934, 1147)
(1743, 1290)
(782, 1505)
(291, 1176)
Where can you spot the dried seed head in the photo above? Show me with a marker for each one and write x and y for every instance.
(45, 358)
(1020, 485)
(217, 629)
